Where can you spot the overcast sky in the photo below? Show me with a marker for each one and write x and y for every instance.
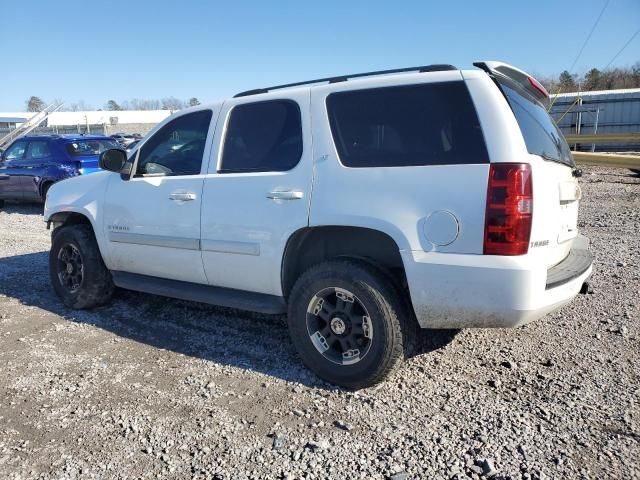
(98, 50)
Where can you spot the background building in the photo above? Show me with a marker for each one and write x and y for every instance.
(605, 111)
(95, 122)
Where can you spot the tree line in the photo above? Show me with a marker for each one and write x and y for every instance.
(595, 79)
(37, 104)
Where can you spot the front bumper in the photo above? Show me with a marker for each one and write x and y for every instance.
(486, 291)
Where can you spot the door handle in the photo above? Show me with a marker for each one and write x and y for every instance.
(182, 196)
(285, 195)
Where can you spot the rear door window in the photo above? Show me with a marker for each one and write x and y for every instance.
(90, 147)
(38, 150)
(541, 135)
(263, 137)
(415, 125)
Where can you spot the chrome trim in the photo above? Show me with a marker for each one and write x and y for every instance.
(285, 195)
(155, 240)
(182, 196)
(226, 246)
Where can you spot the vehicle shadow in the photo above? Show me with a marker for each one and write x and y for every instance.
(225, 336)
(11, 207)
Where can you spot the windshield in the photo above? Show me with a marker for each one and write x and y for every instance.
(540, 132)
(90, 147)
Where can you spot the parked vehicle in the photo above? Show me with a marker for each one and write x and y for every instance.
(132, 145)
(31, 164)
(430, 197)
(123, 139)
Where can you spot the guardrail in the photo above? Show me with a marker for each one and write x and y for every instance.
(628, 137)
(607, 160)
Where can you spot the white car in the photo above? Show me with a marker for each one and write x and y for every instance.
(362, 206)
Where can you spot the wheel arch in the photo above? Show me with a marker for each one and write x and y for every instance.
(312, 245)
(68, 218)
(44, 184)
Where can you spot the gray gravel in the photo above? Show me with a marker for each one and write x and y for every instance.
(155, 388)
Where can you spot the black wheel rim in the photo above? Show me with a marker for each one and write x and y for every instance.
(70, 268)
(339, 326)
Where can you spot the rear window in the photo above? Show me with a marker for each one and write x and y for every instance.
(541, 135)
(90, 147)
(416, 125)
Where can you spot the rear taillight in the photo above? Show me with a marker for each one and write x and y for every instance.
(507, 225)
(538, 86)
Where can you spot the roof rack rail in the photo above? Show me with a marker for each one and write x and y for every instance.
(344, 78)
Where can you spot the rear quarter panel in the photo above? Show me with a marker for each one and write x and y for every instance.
(505, 143)
(395, 200)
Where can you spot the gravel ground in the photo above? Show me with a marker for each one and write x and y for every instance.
(155, 388)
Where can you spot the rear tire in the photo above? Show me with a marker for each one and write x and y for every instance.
(78, 274)
(346, 321)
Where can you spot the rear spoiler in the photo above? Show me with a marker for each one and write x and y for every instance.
(527, 82)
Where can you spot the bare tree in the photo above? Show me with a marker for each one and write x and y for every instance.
(79, 106)
(143, 104)
(172, 103)
(193, 101)
(35, 104)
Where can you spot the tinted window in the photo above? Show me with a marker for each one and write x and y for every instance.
(38, 150)
(541, 135)
(16, 151)
(429, 124)
(90, 147)
(263, 137)
(177, 148)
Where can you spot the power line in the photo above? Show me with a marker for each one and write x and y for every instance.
(595, 24)
(584, 44)
(622, 49)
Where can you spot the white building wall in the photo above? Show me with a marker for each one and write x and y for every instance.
(98, 117)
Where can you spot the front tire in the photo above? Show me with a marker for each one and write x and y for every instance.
(346, 321)
(78, 274)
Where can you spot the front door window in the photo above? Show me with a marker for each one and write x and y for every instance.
(177, 148)
(16, 151)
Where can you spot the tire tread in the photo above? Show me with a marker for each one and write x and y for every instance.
(386, 296)
(98, 285)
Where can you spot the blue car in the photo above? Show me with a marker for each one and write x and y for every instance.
(31, 164)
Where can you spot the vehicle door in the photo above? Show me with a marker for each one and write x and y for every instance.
(152, 218)
(257, 191)
(11, 170)
(35, 165)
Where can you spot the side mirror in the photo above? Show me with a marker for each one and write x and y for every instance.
(113, 160)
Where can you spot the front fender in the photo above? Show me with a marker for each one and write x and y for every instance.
(82, 195)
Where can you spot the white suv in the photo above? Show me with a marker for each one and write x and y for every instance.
(361, 206)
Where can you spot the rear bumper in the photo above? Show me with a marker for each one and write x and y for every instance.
(485, 291)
